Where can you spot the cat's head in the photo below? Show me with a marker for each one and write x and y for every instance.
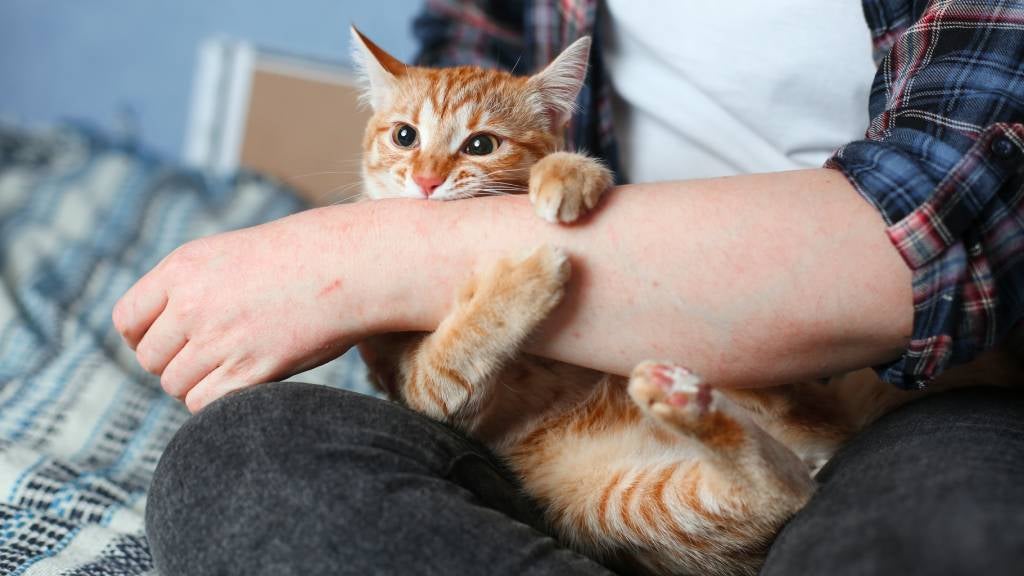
(453, 133)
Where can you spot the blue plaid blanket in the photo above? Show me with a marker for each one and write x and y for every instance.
(81, 425)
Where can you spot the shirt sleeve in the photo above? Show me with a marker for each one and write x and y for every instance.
(943, 162)
(487, 33)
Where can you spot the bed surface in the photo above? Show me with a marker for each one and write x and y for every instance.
(81, 425)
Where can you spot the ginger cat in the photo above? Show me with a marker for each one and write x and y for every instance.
(659, 472)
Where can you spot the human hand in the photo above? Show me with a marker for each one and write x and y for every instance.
(246, 307)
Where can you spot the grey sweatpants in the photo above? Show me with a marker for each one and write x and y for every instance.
(287, 479)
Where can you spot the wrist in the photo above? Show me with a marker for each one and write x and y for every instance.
(413, 256)
(399, 278)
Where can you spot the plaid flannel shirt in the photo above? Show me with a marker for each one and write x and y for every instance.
(942, 160)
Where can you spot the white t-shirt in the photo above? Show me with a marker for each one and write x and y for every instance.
(708, 89)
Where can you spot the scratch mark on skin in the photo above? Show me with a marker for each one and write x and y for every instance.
(332, 287)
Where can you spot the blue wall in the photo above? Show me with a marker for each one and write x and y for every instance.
(96, 59)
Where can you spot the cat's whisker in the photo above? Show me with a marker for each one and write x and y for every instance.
(346, 199)
(491, 179)
(499, 192)
(486, 183)
(345, 190)
(503, 170)
(516, 65)
(345, 163)
(491, 188)
(346, 187)
(324, 173)
(494, 176)
(349, 196)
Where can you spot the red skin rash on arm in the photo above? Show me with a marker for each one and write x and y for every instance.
(333, 286)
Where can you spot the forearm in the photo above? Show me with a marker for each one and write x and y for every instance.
(747, 280)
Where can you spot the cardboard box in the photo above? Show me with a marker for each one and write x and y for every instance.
(296, 119)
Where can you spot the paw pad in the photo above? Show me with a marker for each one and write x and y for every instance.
(681, 386)
(670, 391)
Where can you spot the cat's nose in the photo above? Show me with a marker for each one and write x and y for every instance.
(427, 183)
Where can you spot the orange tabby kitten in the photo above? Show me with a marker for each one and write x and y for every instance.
(661, 470)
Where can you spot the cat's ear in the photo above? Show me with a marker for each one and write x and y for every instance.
(560, 82)
(377, 70)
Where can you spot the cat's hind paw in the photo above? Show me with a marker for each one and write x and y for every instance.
(679, 399)
(564, 186)
(668, 391)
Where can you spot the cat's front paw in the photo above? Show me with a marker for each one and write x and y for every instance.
(564, 185)
(526, 288)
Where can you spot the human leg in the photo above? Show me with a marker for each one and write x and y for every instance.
(298, 479)
(932, 488)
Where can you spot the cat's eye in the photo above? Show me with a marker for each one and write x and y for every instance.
(480, 145)
(404, 135)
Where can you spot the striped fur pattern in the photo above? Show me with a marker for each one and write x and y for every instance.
(450, 109)
(658, 472)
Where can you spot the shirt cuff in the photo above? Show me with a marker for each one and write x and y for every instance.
(940, 200)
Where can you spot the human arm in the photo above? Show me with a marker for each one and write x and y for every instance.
(953, 202)
(750, 280)
(942, 162)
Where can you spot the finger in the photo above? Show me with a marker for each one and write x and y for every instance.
(136, 311)
(228, 377)
(162, 342)
(216, 384)
(186, 369)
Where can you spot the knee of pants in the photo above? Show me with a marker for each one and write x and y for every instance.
(931, 488)
(282, 459)
(292, 430)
